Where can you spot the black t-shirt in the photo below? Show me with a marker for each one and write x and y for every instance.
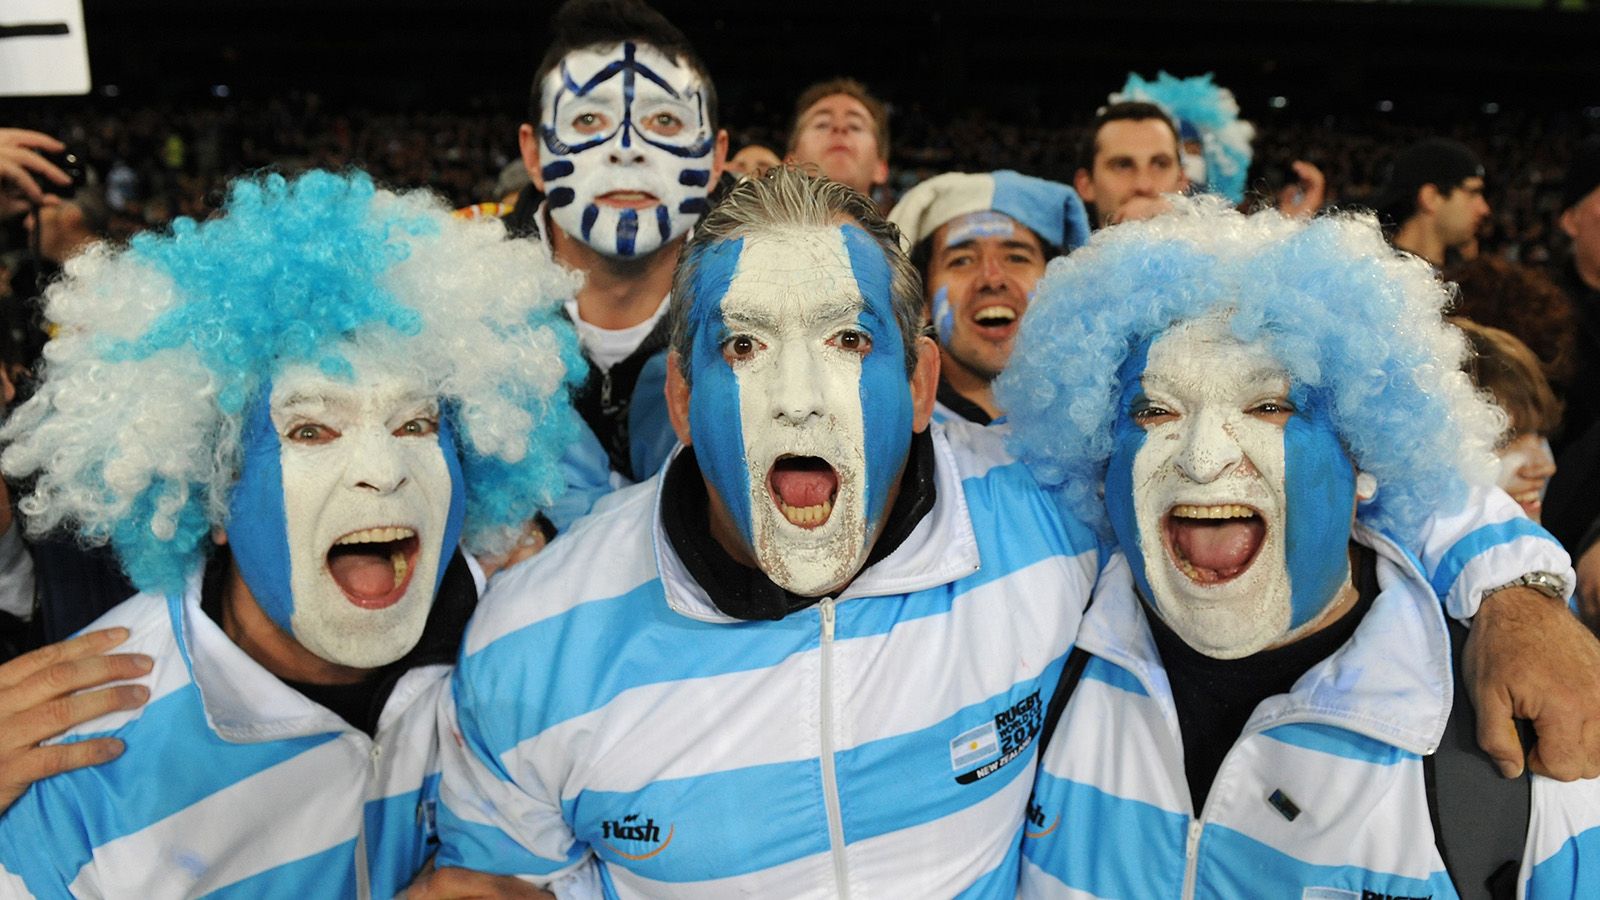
(1215, 697)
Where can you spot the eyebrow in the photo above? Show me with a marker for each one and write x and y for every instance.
(824, 311)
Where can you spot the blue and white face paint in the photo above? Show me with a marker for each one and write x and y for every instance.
(1229, 492)
(349, 499)
(627, 149)
(795, 331)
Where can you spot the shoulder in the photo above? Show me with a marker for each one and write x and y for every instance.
(152, 631)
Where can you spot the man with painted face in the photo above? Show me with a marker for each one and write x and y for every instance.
(981, 242)
(284, 421)
(824, 639)
(623, 147)
(1265, 402)
(792, 673)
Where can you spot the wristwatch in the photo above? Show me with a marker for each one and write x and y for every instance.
(1547, 583)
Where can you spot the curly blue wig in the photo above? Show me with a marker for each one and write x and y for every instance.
(134, 434)
(1345, 314)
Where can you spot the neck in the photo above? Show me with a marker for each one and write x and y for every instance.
(248, 625)
(1417, 236)
(616, 293)
(969, 384)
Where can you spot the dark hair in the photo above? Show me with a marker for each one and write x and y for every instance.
(1524, 302)
(849, 87)
(1506, 368)
(579, 24)
(1132, 110)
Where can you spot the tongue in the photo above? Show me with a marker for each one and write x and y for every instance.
(1220, 545)
(365, 574)
(803, 487)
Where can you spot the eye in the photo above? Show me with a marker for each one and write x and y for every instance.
(589, 123)
(740, 347)
(311, 433)
(422, 426)
(958, 261)
(664, 123)
(1276, 411)
(852, 340)
(1146, 414)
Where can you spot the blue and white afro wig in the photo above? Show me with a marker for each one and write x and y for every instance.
(134, 435)
(1347, 315)
(1196, 103)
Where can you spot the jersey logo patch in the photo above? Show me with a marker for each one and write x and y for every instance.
(642, 839)
(979, 752)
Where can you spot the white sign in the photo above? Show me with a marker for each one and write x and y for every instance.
(42, 48)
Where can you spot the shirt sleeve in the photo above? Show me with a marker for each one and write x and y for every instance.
(1485, 545)
(492, 821)
(16, 574)
(1562, 859)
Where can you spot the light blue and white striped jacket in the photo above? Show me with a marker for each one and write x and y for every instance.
(879, 743)
(1113, 817)
(232, 784)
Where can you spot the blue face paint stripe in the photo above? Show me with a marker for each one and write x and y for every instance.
(693, 151)
(561, 168)
(944, 320)
(694, 177)
(559, 197)
(590, 214)
(663, 225)
(627, 231)
(886, 408)
(1127, 438)
(627, 91)
(698, 206)
(1320, 491)
(714, 408)
(258, 528)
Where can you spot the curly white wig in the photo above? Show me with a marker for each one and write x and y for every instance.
(134, 435)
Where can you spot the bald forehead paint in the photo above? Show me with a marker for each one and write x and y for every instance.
(796, 299)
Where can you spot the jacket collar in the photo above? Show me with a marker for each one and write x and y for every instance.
(940, 549)
(1392, 681)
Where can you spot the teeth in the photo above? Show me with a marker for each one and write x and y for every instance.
(377, 536)
(806, 516)
(995, 313)
(401, 567)
(1220, 511)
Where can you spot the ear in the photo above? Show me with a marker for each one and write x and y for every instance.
(924, 383)
(719, 158)
(219, 535)
(1428, 198)
(880, 172)
(1569, 221)
(528, 142)
(1084, 185)
(678, 400)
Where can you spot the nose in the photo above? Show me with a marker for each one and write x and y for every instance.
(1209, 451)
(1541, 463)
(796, 398)
(378, 466)
(625, 155)
(992, 272)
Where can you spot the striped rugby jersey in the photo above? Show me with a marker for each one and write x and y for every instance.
(1322, 797)
(232, 784)
(879, 743)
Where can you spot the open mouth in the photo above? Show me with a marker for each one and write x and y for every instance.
(804, 488)
(995, 317)
(1213, 544)
(628, 199)
(374, 566)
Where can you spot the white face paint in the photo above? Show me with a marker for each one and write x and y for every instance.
(1211, 495)
(795, 338)
(366, 496)
(626, 148)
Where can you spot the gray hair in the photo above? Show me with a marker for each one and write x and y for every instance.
(786, 197)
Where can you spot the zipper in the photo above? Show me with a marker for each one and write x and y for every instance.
(605, 390)
(830, 778)
(363, 876)
(1191, 861)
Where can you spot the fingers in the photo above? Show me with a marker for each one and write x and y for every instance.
(1497, 733)
(1559, 753)
(49, 718)
(93, 643)
(19, 771)
(20, 166)
(23, 137)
